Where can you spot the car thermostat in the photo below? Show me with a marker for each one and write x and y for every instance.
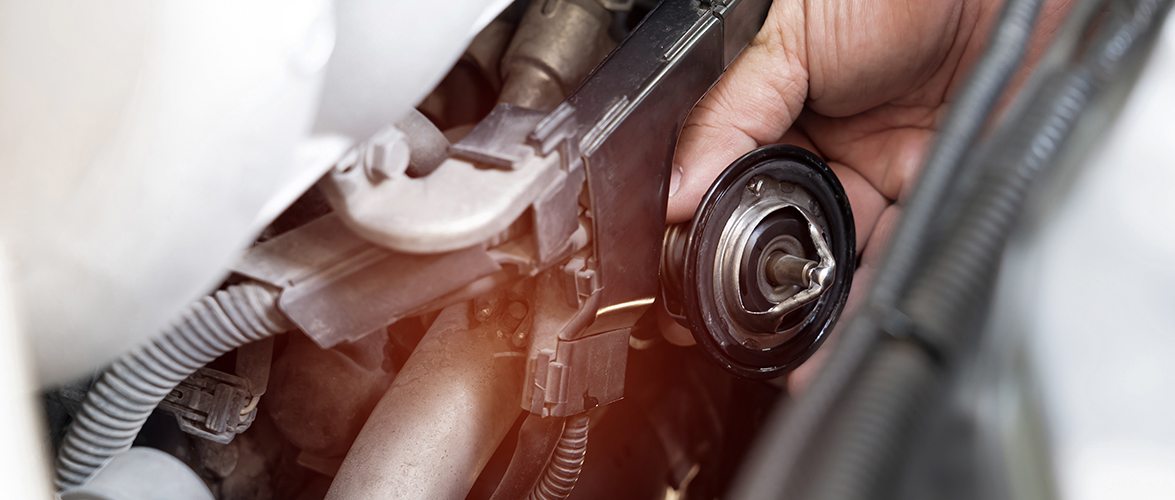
(762, 272)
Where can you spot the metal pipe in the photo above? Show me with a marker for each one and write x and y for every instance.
(443, 417)
(557, 44)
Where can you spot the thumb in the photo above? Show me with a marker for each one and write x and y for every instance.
(757, 99)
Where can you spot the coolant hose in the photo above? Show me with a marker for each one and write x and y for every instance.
(118, 404)
(566, 463)
(445, 413)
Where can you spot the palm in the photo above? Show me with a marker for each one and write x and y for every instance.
(862, 83)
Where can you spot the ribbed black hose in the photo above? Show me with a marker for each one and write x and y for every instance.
(862, 448)
(770, 475)
(566, 463)
(967, 118)
(860, 454)
(120, 402)
(537, 440)
(958, 276)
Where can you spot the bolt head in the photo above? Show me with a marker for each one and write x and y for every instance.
(517, 310)
(756, 187)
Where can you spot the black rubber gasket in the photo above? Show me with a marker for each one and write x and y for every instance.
(782, 163)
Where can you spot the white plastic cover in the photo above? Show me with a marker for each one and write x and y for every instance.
(143, 143)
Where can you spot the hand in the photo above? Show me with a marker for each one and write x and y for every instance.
(864, 84)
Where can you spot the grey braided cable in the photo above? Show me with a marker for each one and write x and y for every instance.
(566, 463)
(118, 404)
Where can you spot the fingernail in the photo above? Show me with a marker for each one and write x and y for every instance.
(674, 179)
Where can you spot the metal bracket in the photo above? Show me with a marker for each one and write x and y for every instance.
(499, 141)
(461, 203)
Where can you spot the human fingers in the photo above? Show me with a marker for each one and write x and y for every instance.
(757, 99)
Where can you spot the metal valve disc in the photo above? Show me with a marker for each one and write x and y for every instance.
(762, 272)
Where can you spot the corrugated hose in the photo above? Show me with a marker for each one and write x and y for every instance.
(119, 403)
(566, 463)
